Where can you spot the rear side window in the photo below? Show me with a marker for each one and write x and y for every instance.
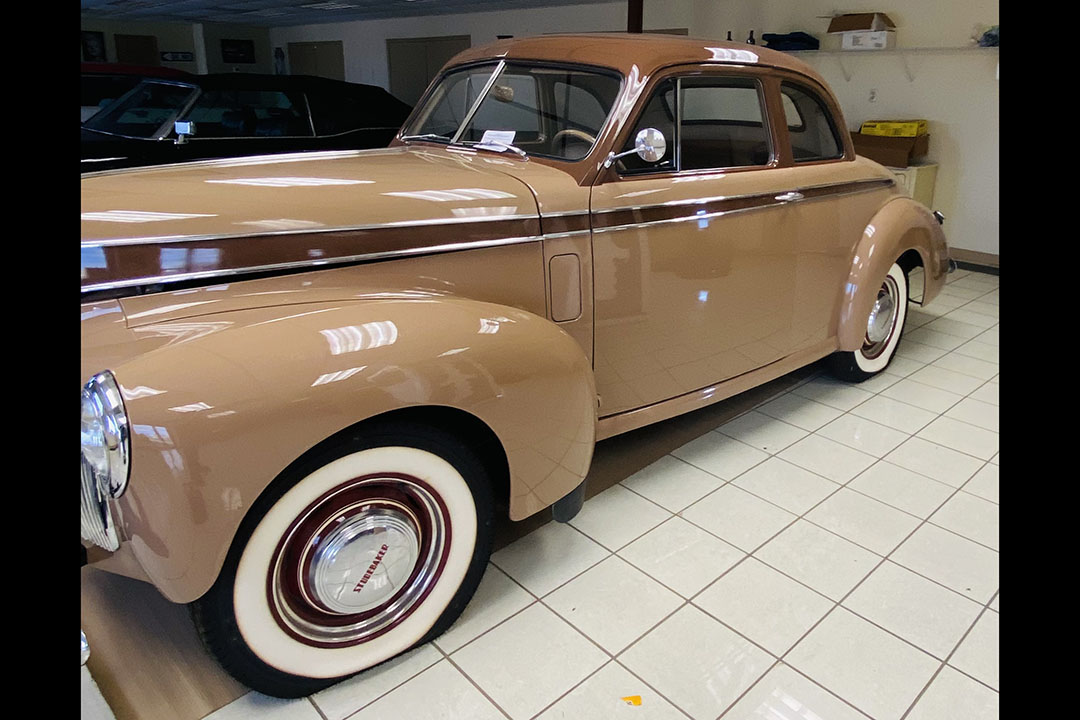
(723, 124)
(810, 126)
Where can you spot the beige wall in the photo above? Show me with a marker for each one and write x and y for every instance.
(182, 37)
(952, 86)
(172, 37)
(213, 34)
(365, 41)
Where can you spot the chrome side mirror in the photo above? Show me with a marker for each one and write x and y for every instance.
(650, 145)
(183, 129)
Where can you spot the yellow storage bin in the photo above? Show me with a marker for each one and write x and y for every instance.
(894, 128)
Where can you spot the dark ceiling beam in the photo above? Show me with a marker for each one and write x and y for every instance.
(634, 12)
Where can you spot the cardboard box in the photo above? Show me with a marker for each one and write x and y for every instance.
(861, 21)
(891, 151)
(868, 40)
(864, 31)
(894, 128)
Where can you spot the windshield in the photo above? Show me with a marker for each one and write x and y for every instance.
(145, 111)
(549, 111)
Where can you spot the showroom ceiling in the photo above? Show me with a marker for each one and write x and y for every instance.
(294, 12)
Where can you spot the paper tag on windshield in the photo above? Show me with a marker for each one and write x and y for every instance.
(493, 137)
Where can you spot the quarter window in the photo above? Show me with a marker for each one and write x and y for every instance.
(659, 113)
(810, 126)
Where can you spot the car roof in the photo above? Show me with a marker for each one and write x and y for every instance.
(96, 68)
(625, 52)
(261, 81)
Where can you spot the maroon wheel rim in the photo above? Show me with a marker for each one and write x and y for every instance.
(337, 553)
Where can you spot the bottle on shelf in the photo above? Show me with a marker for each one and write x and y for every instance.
(750, 40)
(729, 35)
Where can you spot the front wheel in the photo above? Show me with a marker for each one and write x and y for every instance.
(355, 556)
(884, 326)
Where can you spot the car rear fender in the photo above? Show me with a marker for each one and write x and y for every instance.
(900, 226)
(216, 415)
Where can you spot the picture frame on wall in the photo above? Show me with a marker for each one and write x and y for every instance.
(93, 46)
(237, 51)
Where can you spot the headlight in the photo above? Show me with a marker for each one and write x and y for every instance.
(106, 443)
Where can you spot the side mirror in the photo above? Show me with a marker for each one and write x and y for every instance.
(650, 145)
(183, 129)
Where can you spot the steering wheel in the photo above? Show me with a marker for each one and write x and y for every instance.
(575, 133)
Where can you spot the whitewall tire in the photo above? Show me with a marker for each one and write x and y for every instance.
(883, 328)
(349, 559)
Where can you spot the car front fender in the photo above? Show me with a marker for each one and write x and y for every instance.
(227, 402)
(900, 226)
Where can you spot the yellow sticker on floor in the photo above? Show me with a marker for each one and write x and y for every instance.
(632, 699)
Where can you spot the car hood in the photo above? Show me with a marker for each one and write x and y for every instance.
(205, 218)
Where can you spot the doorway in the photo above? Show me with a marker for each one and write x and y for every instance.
(413, 62)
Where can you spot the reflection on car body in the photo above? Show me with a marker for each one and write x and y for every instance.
(235, 114)
(343, 364)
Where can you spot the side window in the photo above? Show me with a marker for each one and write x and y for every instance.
(810, 126)
(659, 113)
(249, 113)
(722, 124)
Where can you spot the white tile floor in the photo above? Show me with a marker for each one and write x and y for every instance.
(831, 554)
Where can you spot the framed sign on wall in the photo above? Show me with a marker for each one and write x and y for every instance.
(237, 51)
(93, 46)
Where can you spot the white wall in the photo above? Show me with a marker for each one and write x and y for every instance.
(365, 40)
(956, 91)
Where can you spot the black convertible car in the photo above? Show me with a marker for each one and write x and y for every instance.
(164, 120)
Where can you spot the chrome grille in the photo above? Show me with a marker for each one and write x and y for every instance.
(97, 522)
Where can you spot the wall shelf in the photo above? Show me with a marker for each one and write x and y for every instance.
(902, 53)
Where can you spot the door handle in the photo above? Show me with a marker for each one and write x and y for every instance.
(789, 196)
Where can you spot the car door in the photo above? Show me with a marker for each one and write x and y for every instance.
(836, 199)
(691, 272)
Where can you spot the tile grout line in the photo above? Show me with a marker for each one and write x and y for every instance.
(689, 601)
(945, 663)
(311, 699)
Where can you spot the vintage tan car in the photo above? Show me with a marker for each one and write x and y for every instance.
(312, 380)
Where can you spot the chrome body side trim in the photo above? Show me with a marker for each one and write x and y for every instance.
(883, 182)
(364, 257)
(170, 239)
(719, 213)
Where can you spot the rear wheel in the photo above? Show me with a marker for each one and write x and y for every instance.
(884, 325)
(350, 558)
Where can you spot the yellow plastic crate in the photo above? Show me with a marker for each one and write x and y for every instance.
(894, 128)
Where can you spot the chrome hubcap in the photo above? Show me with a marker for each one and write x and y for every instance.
(364, 560)
(882, 320)
(359, 560)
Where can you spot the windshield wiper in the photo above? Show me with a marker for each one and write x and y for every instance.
(487, 145)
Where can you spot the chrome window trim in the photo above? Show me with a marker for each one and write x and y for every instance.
(479, 99)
